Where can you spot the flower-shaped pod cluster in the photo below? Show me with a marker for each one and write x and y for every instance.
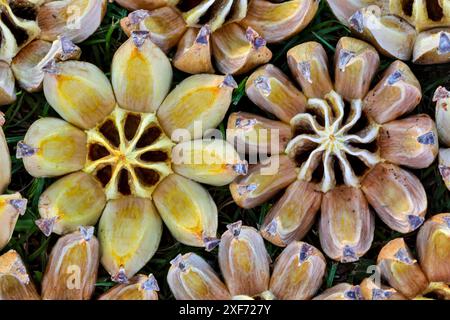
(229, 35)
(245, 266)
(417, 29)
(118, 156)
(442, 99)
(336, 147)
(35, 32)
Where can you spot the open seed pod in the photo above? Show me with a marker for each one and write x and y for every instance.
(75, 19)
(5, 160)
(7, 84)
(15, 283)
(432, 47)
(342, 291)
(371, 291)
(11, 207)
(140, 287)
(71, 271)
(192, 278)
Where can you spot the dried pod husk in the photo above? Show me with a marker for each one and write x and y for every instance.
(244, 261)
(145, 4)
(356, 63)
(15, 283)
(254, 134)
(293, 215)
(192, 278)
(433, 248)
(397, 196)
(298, 272)
(397, 93)
(398, 267)
(187, 210)
(308, 63)
(140, 287)
(74, 200)
(346, 224)
(129, 232)
(5, 160)
(237, 51)
(342, 291)
(7, 84)
(71, 271)
(210, 161)
(411, 142)
(277, 21)
(75, 19)
(94, 99)
(141, 74)
(11, 207)
(343, 10)
(390, 34)
(263, 181)
(444, 166)
(198, 101)
(165, 26)
(52, 147)
(371, 291)
(271, 90)
(29, 64)
(194, 51)
(442, 115)
(432, 47)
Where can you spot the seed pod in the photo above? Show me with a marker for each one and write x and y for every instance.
(346, 224)
(442, 99)
(94, 99)
(397, 196)
(194, 51)
(75, 19)
(433, 248)
(371, 291)
(444, 166)
(74, 200)
(356, 63)
(145, 4)
(165, 26)
(276, 22)
(237, 51)
(397, 93)
(411, 142)
(263, 181)
(308, 63)
(5, 160)
(11, 207)
(432, 47)
(270, 89)
(243, 260)
(187, 210)
(257, 135)
(135, 67)
(29, 64)
(129, 232)
(293, 215)
(15, 283)
(191, 278)
(400, 270)
(343, 10)
(342, 291)
(71, 271)
(198, 102)
(140, 287)
(7, 85)
(52, 147)
(298, 272)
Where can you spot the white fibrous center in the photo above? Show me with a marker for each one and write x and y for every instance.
(330, 137)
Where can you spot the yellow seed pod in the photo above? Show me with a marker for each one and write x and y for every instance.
(209, 161)
(371, 291)
(15, 283)
(141, 74)
(71, 271)
(79, 92)
(11, 207)
(5, 160)
(342, 291)
(129, 231)
(72, 201)
(52, 147)
(187, 210)
(140, 287)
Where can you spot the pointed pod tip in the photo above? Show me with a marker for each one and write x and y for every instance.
(235, 228)
(349, 255)
(24, 150)
(179, 262)
(50, 67)
(255, 39)
(415, 221)
(138, 16)
(229, 82)
(87, 232)
(203, 35)
(356, 21)
(440, 94)
(120, 277)
(46, 225)
(241, 168)
(150, 284)
(306, 251)
(444, 43)
(138, 37)
(345, 56)
(402, 255)
(210, 243)
(354, 293)
(20, 205)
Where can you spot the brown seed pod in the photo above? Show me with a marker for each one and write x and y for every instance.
(371, 291)
(140, 287)
(11, 207)
(7, 84)
(342, 291)
(5, 160)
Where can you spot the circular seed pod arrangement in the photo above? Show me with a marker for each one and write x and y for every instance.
(337, 148)
(405, 30)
